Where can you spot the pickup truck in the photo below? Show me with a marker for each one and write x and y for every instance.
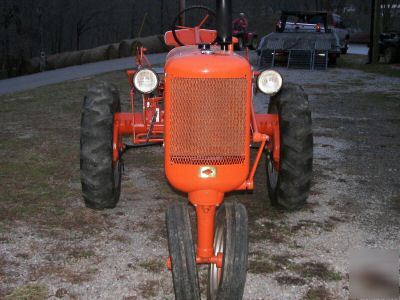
(308, 39)
(296, 21)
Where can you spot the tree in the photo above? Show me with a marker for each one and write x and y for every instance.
(389, 8)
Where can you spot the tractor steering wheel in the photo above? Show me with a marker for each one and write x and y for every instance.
(196, 29)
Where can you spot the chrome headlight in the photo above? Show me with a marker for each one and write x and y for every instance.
(269, 82)
(145, 81)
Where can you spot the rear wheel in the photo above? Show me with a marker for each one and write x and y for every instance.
(289, 186)
(180, 243)
(100, 177)
(230, 238)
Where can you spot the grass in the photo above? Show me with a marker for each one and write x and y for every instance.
(316, 270)
(261, 263)
(290, 280)
(318, 293)
(39, 155)
(358, 62)
(82, 254)
(153, 265)
(28, 292)
(148, 289)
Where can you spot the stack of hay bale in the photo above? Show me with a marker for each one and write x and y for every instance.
(126, 48)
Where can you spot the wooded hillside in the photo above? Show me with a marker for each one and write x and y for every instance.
(28, 27)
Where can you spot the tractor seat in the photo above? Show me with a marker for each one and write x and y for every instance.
(188, 37)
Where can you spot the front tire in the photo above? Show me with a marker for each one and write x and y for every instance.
(183, 260)
(289, 187)
(100, 177)
(230, 238)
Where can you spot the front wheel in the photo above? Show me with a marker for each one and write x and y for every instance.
(289, 186)
(100, 176)
(183, 260)
(230, 238)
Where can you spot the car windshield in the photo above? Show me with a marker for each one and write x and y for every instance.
(316, 19)
(309, 19)
(295, 19)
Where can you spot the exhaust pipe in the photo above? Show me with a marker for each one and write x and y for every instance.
(224, 23)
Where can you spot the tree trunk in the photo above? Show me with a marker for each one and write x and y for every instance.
(182, 5)
(376, 31)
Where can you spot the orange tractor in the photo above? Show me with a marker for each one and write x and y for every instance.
(200, 108)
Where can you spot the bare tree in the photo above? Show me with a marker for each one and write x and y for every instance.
(389, 9)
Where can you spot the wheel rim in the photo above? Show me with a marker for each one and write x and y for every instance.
(215, 272)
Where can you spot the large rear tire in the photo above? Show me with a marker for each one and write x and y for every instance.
(289, 187)
(230, 238)
(183, 260)
(100, 177)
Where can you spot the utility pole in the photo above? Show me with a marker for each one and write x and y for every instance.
(182, 5)
(375, 29)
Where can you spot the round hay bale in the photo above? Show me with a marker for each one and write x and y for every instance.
(94, 55)
(72, 58)
(31, 65)
(128, 47)
(52, 61)
(113, 51)
(61, 59)
(153, 44)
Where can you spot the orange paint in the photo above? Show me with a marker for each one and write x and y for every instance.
(206, 120)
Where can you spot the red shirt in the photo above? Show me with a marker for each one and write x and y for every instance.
(240, 23)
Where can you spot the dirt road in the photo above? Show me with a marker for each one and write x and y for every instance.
(50, 245)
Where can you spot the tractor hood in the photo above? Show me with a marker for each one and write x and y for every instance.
(207, 119)
(191, 62)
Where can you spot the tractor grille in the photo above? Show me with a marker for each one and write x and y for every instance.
(208, 121)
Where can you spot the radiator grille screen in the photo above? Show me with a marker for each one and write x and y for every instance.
(208, 121)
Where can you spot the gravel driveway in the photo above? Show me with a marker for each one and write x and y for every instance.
(51, 246)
